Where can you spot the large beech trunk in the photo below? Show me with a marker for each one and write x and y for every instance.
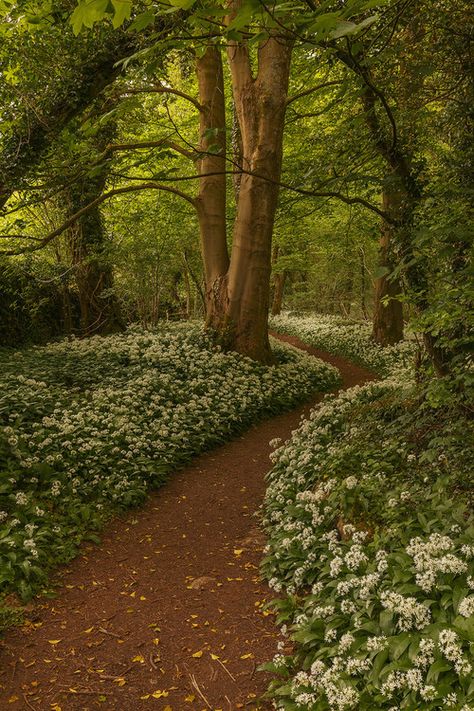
(388, 309)
(260, 104)
(238, 289)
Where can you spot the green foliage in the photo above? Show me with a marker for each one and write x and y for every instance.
(31, 304)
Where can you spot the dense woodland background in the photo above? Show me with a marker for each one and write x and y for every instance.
(106, 129)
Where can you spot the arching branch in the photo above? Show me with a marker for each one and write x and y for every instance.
(307, 92)
(42, 242)
(161, 89)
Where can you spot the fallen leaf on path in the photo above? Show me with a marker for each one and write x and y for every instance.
(54, 641)
(139, 658)
(197, 655)
(158, 694)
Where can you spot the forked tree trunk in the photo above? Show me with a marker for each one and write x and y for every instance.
(238, 289)
(388, 309)
(260, 105)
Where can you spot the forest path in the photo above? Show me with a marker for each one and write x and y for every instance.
(167, 612)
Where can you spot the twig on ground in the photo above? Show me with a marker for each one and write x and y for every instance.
(226, 670)
(28, 703)
(196, 687)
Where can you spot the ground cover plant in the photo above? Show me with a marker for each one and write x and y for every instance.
(371, 548)
(88, 426)
(347, 337)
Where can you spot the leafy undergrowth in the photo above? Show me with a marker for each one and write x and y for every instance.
(87, 427)
(371, 545)
(347, 337)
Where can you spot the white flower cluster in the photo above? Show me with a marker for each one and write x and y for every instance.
(433, 556)
(412, 615)
(347, 337)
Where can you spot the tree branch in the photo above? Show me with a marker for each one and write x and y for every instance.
(42, 242)
(113, 147)
(301, 94)
(161, 89)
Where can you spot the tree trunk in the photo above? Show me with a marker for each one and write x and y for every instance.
(238, 289)
(388, 309)
(211, 201)
(100, 310)
(260, 105)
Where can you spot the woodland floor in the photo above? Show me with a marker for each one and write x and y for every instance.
(171, 601)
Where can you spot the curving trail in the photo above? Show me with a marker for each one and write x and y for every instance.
(167, 613)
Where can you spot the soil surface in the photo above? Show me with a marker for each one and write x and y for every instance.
(168, 613)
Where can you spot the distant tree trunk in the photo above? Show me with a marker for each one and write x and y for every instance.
(237, 151)
(278, 291)
(99, 308)
(388, 309)
(363, 280)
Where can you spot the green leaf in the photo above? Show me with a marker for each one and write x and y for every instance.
(143, 20)
(182, 4)
(123, 10)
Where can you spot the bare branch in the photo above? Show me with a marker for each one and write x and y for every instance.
(163, 142)
(301, 94)
(77, 215)
(161, 89)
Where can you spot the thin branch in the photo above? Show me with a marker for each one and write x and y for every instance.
(161, 89)
(77, 215)
(163, 142)
(301, 94)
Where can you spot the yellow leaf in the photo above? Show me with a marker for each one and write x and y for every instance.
(88, 631)
(238, 551)
(120, 681)
(12, 699)
(55, 707)
(214, 656)
(158, 694)
(168, 708)
(190, 698)
(246, 656)
(139, 658)
(156, 640)
(197, 655)
(54, 641)
(147, 696)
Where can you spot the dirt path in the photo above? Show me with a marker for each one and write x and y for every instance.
(167, 612)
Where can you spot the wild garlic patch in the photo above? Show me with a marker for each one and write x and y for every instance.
(348, 338)
(371, 548)
(88, 426)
